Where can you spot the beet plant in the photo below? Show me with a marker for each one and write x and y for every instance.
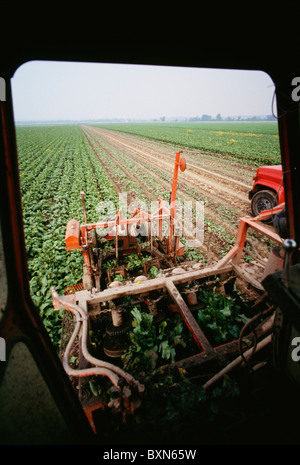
(150, 342)
(220, 316)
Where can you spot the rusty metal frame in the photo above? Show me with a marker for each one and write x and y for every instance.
(207, 353)
(235, 254)
(162, 213)
(77, 236)
(229, 263)
(20, 314)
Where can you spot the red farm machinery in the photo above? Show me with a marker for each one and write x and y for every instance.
(100, 298)
(38, 402)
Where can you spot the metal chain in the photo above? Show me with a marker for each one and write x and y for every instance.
(197, 286)
(105, 311)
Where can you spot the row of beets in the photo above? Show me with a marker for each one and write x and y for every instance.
(55, 164)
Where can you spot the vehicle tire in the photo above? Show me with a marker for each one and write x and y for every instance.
(263, 200)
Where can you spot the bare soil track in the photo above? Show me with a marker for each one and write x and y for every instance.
(210, 177)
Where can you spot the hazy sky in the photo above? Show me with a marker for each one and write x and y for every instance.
(74, 91)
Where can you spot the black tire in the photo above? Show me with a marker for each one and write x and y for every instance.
(263, 200)
(279, 222)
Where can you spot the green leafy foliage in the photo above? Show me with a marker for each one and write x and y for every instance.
(118, 277)
(51, 161)
(153, 271)
(254, 143)
(220, 315)
(134, 262)
(150, 342)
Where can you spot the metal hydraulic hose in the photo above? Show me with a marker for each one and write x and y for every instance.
(87, 371)
(237, 361)
(244, 357)
(81, 318)
(266, 326)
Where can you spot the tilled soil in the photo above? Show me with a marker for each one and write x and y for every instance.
(216, 179)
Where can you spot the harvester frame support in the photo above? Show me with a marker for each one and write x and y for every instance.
(229, 263)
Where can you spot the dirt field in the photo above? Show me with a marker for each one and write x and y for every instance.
(222, 184)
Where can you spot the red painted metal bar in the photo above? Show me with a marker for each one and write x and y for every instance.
(172, 204)
(190, 321)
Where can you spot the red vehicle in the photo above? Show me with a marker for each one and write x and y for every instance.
(267, 190)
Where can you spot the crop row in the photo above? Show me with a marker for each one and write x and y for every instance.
(55, 164)
(159, 182)
(126, 173)
(220, 220)
(251, 143)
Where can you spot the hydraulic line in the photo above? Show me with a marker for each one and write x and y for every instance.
(246, 356)
(236, 362)
(81, 318)
(88, 371)
(267, 324)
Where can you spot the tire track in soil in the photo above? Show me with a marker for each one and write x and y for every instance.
(130, 150)
(187, 186)
(209, 212)
(213, 191)
(118, 189)
(117, 163)
(234, 173)
(203, 178)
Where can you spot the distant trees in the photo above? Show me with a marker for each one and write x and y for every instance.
(218, 117)
(206, 118)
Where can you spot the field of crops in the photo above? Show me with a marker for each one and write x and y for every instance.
(56, 162)
(253, 143)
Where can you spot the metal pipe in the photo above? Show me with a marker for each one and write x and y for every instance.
(117, 316)
(82, 318)
(87, 371)
(236, 362)
(266, 326)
